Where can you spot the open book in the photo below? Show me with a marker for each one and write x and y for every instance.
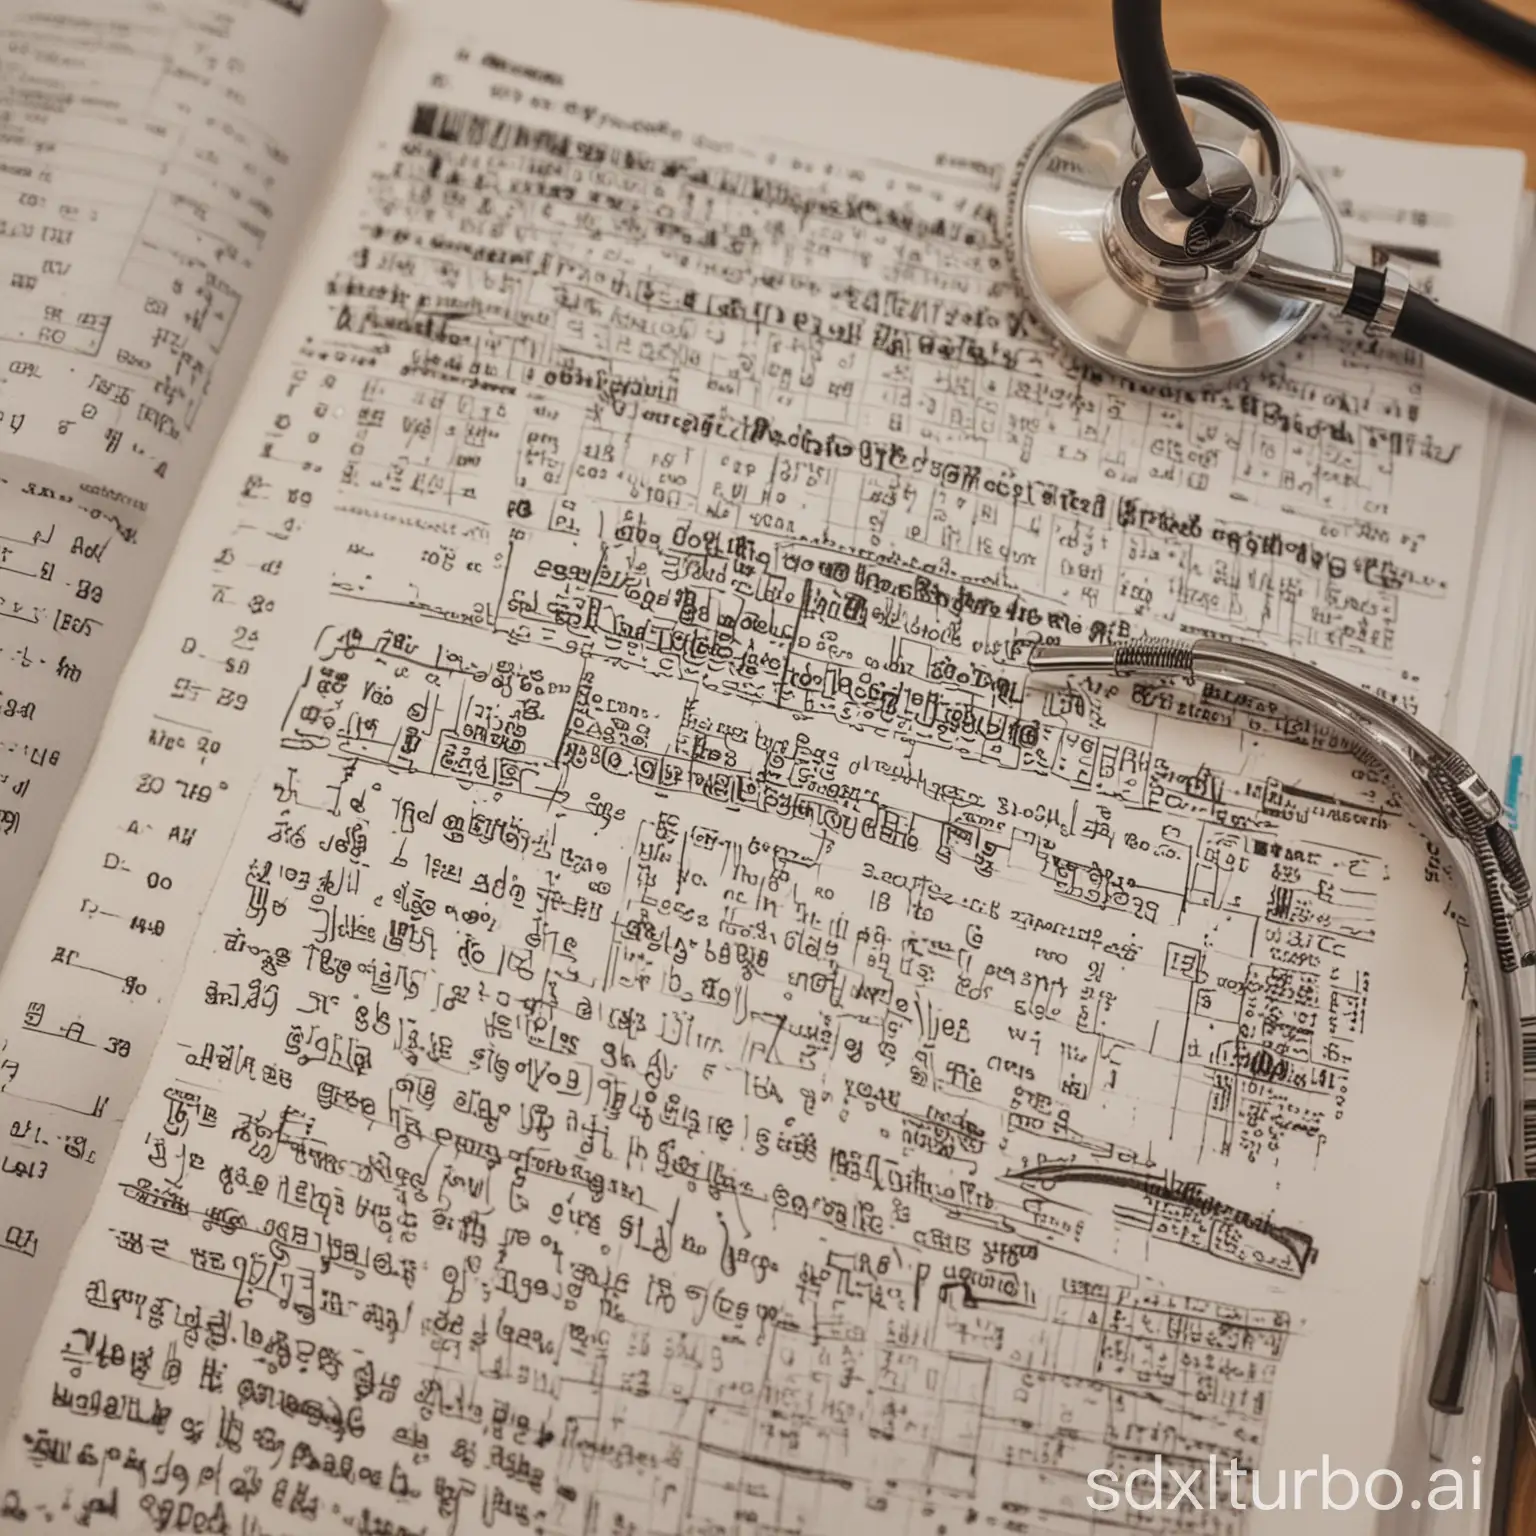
(561, 974)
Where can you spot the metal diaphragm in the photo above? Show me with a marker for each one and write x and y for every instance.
(1099, 268)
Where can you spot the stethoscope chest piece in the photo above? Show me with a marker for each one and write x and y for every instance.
(1137, 286)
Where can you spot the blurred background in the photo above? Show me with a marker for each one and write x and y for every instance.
(1379, 66)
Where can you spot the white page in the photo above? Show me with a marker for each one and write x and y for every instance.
(1480, 717)
(391, 562)
(1510, 735)
(1491, 720)
(159, 164)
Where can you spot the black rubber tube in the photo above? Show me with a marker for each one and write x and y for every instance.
(1511, 36)
(1467, 345)
(1148, 81)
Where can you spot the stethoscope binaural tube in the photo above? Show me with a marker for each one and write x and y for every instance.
(1498, 933)
(1149, 92)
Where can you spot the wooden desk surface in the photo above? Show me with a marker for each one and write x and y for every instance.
(1379, 66)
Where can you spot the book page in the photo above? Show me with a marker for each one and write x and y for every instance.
(662, 1023)
(1480, 717)
(1498, 711)
(158, 166)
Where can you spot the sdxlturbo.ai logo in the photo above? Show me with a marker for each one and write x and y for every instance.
(1327, 1489)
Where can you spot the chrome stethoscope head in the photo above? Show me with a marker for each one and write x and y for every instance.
(1167, 231)
(1139, 287)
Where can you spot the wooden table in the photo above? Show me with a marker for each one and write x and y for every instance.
(1379, 66)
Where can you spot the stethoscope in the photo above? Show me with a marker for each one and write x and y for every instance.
(1494, 1283)
(1166, 229)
